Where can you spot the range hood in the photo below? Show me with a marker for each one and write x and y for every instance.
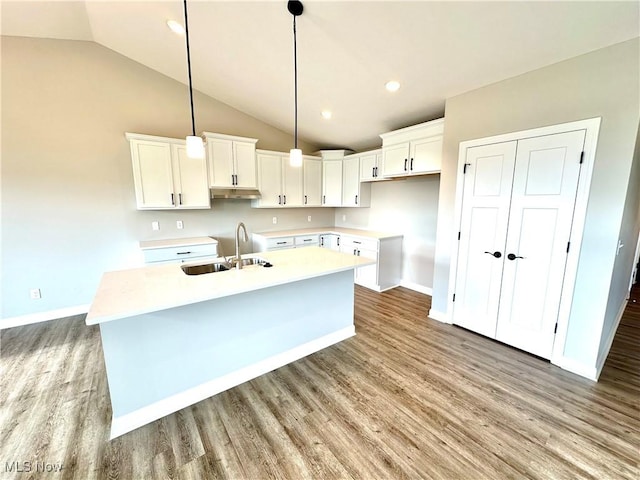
(242, 193)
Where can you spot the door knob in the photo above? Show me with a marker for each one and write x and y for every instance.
(511, 256)
(495, 254)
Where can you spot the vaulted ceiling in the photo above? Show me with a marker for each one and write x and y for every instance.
(242, 51)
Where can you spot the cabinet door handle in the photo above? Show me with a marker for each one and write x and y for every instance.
(180, 199)
(279, 199)
(305, 199)
(338, 241)
(496, 254)
(356, 199)
(411, 167)
(512, 256)
(405, 164)
(183, 253)
(354, 251)
(285, 199)
(322, 241)
(373, 171)
(324, 199)
(172, 200)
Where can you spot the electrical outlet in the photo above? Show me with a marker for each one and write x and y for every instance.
(309, 218)
(275, 220)
(179, 225)
(155, 225)
(35, 294)
(344, 218)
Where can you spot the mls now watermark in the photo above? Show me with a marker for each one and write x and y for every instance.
(29, 467)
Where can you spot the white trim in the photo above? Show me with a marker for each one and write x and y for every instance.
(136, 419)
(10, 322)
(576, 367)
(439, 316)
(416, 287)
(602, 358)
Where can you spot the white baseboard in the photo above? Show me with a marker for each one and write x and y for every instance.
(136, 419)
(10, 322)
(439, 316)
(602, 356)
(573, 366)
(416, 287)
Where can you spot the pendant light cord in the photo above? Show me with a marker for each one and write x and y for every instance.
(295, 83)
(186, 32)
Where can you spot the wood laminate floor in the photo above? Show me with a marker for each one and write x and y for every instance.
(407, 397)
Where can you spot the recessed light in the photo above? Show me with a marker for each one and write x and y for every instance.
(392, 86)
(175, 27)
(326, 114)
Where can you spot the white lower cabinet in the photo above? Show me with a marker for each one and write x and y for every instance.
(387, 252)
(330, 240)
(179, 250)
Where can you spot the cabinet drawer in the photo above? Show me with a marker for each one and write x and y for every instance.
(360, 243)
(280, 242)
(307, 240)
(179, 253)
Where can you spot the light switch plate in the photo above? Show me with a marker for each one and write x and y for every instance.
(155, 225)
(179, 225)
(275, 220)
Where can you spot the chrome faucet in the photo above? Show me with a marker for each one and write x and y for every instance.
(246, 239)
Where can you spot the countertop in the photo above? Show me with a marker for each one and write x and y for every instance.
(177, 242)
(327, 230)
(125, 293)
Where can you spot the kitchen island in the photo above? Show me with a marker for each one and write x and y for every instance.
(171, 340)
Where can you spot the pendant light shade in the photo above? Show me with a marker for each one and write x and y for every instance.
(195, 145)
(295, 155)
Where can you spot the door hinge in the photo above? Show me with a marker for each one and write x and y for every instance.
(555, 329)
(568, 246)
(581, 157)
(464, 170)
(454, 297)
(458, 235)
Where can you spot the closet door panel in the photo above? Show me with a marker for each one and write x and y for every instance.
(483, 230)
(544, 191)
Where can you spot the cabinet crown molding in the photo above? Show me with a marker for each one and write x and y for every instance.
(154, 138)
(223, 136)
(426, 129)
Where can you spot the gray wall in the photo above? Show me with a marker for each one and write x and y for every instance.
(603, 84)
(68, 204)
(409, 207)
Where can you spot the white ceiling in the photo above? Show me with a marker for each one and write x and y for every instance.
(242, 51)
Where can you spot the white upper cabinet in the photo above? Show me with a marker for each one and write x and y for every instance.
(354, 194)
(232, 161)
(164, 177)
(370, 166)
(331, 183)
(280, 184)
(312, 180)
(415, 150)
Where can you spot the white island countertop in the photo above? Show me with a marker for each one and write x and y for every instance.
(126, 293)
(327, 230)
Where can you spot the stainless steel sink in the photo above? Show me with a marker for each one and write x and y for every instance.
(206, 268)
(222, 266)
(250, 261)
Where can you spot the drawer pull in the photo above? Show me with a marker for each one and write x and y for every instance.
(183, 253)
(281, 243)
(307, 239)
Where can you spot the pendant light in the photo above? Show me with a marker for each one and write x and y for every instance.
(195, 146)
(295, 155)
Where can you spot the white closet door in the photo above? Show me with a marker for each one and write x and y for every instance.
(485, 210)
(544, 192)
